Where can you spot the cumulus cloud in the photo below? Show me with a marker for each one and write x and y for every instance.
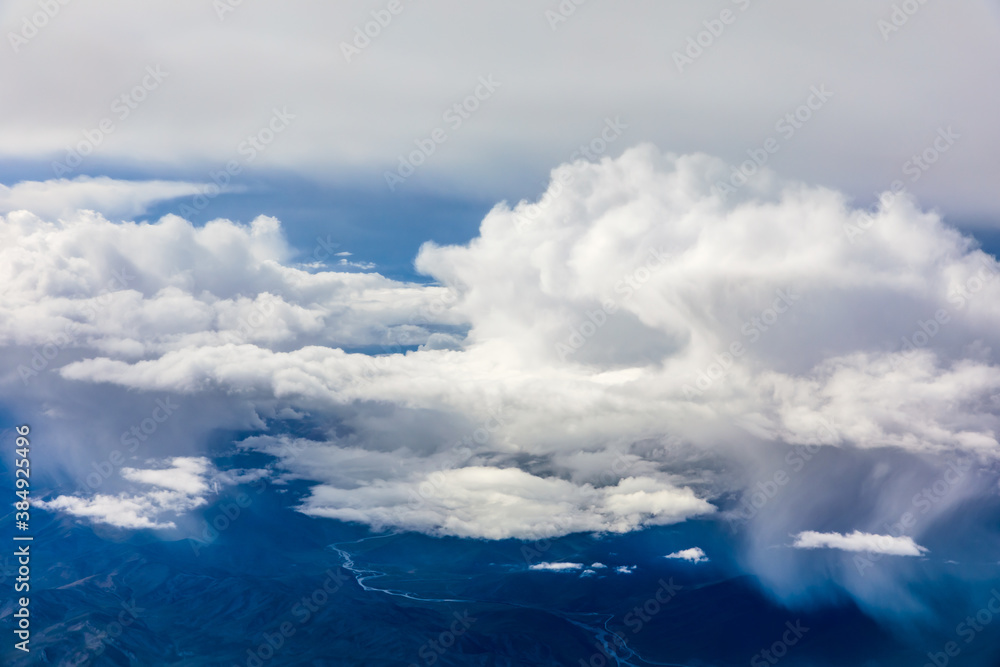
(604, 359)
(479, 501)
(858, 541)
(135, 290)
(694, 555)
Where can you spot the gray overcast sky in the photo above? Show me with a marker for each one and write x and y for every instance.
(892, 91)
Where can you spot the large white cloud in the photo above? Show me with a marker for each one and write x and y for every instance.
(629, 338)
(479, 501)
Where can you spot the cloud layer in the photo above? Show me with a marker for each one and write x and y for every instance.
(356, 115)
(609, 357)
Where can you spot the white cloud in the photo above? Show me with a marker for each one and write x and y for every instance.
(478, 501)
(694, 555)
(187, 476)
(176, 490)
(625, 569)
(133, 290)
(557, 567)
(121, 511)
(858, 541)
(61, 198)
(634, 265)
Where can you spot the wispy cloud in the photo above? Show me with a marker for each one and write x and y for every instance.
(60, 198)
(182, 484)
(557, 567)
(178, 488)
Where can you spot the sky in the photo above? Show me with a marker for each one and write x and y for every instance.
(518, 270)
